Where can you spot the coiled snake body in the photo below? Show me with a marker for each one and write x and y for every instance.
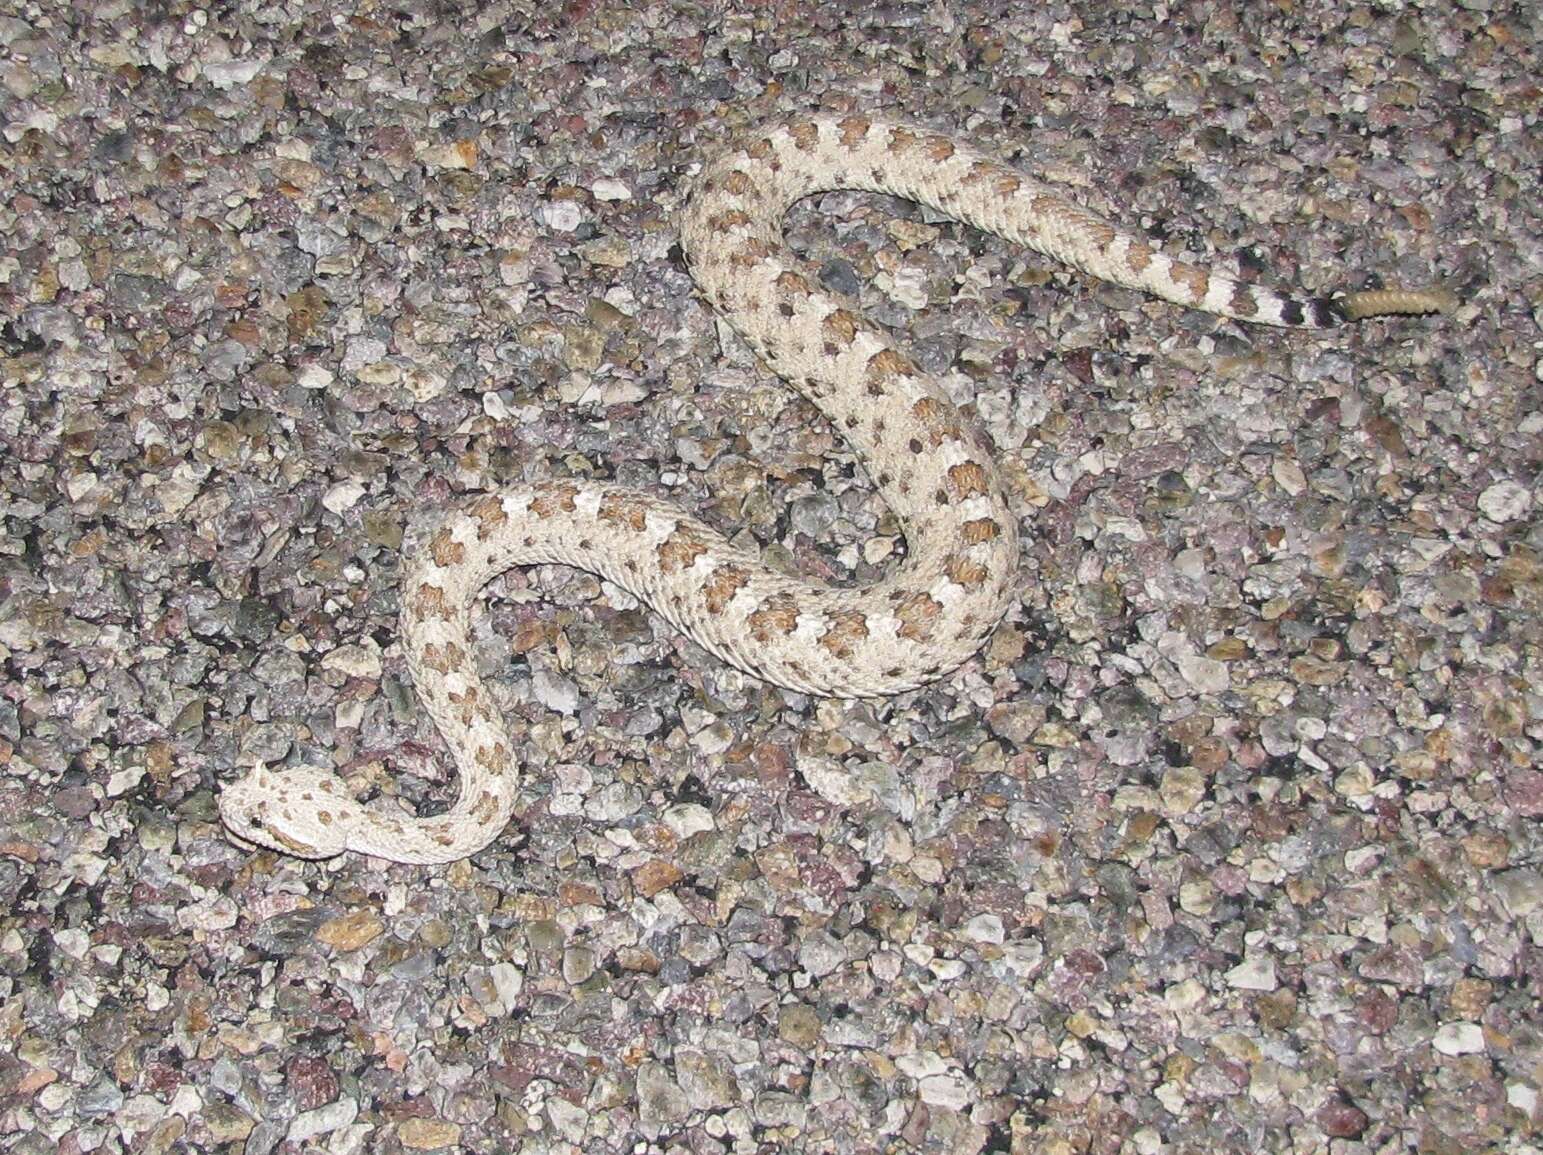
(930, 614)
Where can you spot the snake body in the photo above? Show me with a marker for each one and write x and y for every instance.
(932, 611)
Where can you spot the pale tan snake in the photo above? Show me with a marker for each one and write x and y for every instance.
(928, 616)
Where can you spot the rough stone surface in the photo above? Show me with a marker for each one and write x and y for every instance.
(1228, 839)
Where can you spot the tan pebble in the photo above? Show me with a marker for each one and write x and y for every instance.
(351, 931)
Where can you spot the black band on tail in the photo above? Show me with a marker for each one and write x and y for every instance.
(1327, 312)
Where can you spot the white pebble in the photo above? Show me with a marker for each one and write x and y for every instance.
(322, 1120)
(122, 781)
(820, 954)
(555, 692)
(985, 928)
(1205, 674)
(561, 216)
(1459, 1039)
(343, 496)
(72, 942)
(1289, 476)
(950, 1092)
(1505, 501)
(907, 286)
(921, 1064)
(831, 781)
(1254, 973)
(361, 660)
(606, 189)
(687, 818)
(1523, 1098)
(508, 981)
(231, 73)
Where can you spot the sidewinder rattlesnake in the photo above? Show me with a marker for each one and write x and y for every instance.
(929, 615)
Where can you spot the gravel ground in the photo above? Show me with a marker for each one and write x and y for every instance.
(1228, 840)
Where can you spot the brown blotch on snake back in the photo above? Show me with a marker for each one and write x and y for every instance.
(445, 550)
(466, 704)
(619, 510)
(883, 368)
(1099, 233)
(554, 500)
(854, 130)
(938, 148)
(840, 327)
(721, 586)
(680, 550)
(1139, 256)
(937, 417)
(804, 134)
(729, 219)
(443, 658)
(778, 616)
(970, 574)
(489, 514)
(430, 602)
(969, 480)
(751, 252)
(492, 758)
(1197, 281)
(981, 529)
(979, 172)
(847, 628)
(918, 613)
(794, 284)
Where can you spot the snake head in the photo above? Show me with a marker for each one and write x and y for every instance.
(298, 810)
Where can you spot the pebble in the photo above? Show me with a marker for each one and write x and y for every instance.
(1505, 501)
(343, 496)
(1459, 1039)
(561, 216)
(314, 377)
(706, 1082)
(361, 660)
(951, 1092)
(423, 1134)
(322, 1121)
(656, 875)
(1254, 973)
(688, 818)
(555, 692)
(607, 189)
(578, 965)
(985, 928)
(1182, 789)
(568, 1120)
(833, 782)
(820, 954)
(661, 1102)
(1520, 890)
(799, 1025)
(350, 932)
(1205, 675)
